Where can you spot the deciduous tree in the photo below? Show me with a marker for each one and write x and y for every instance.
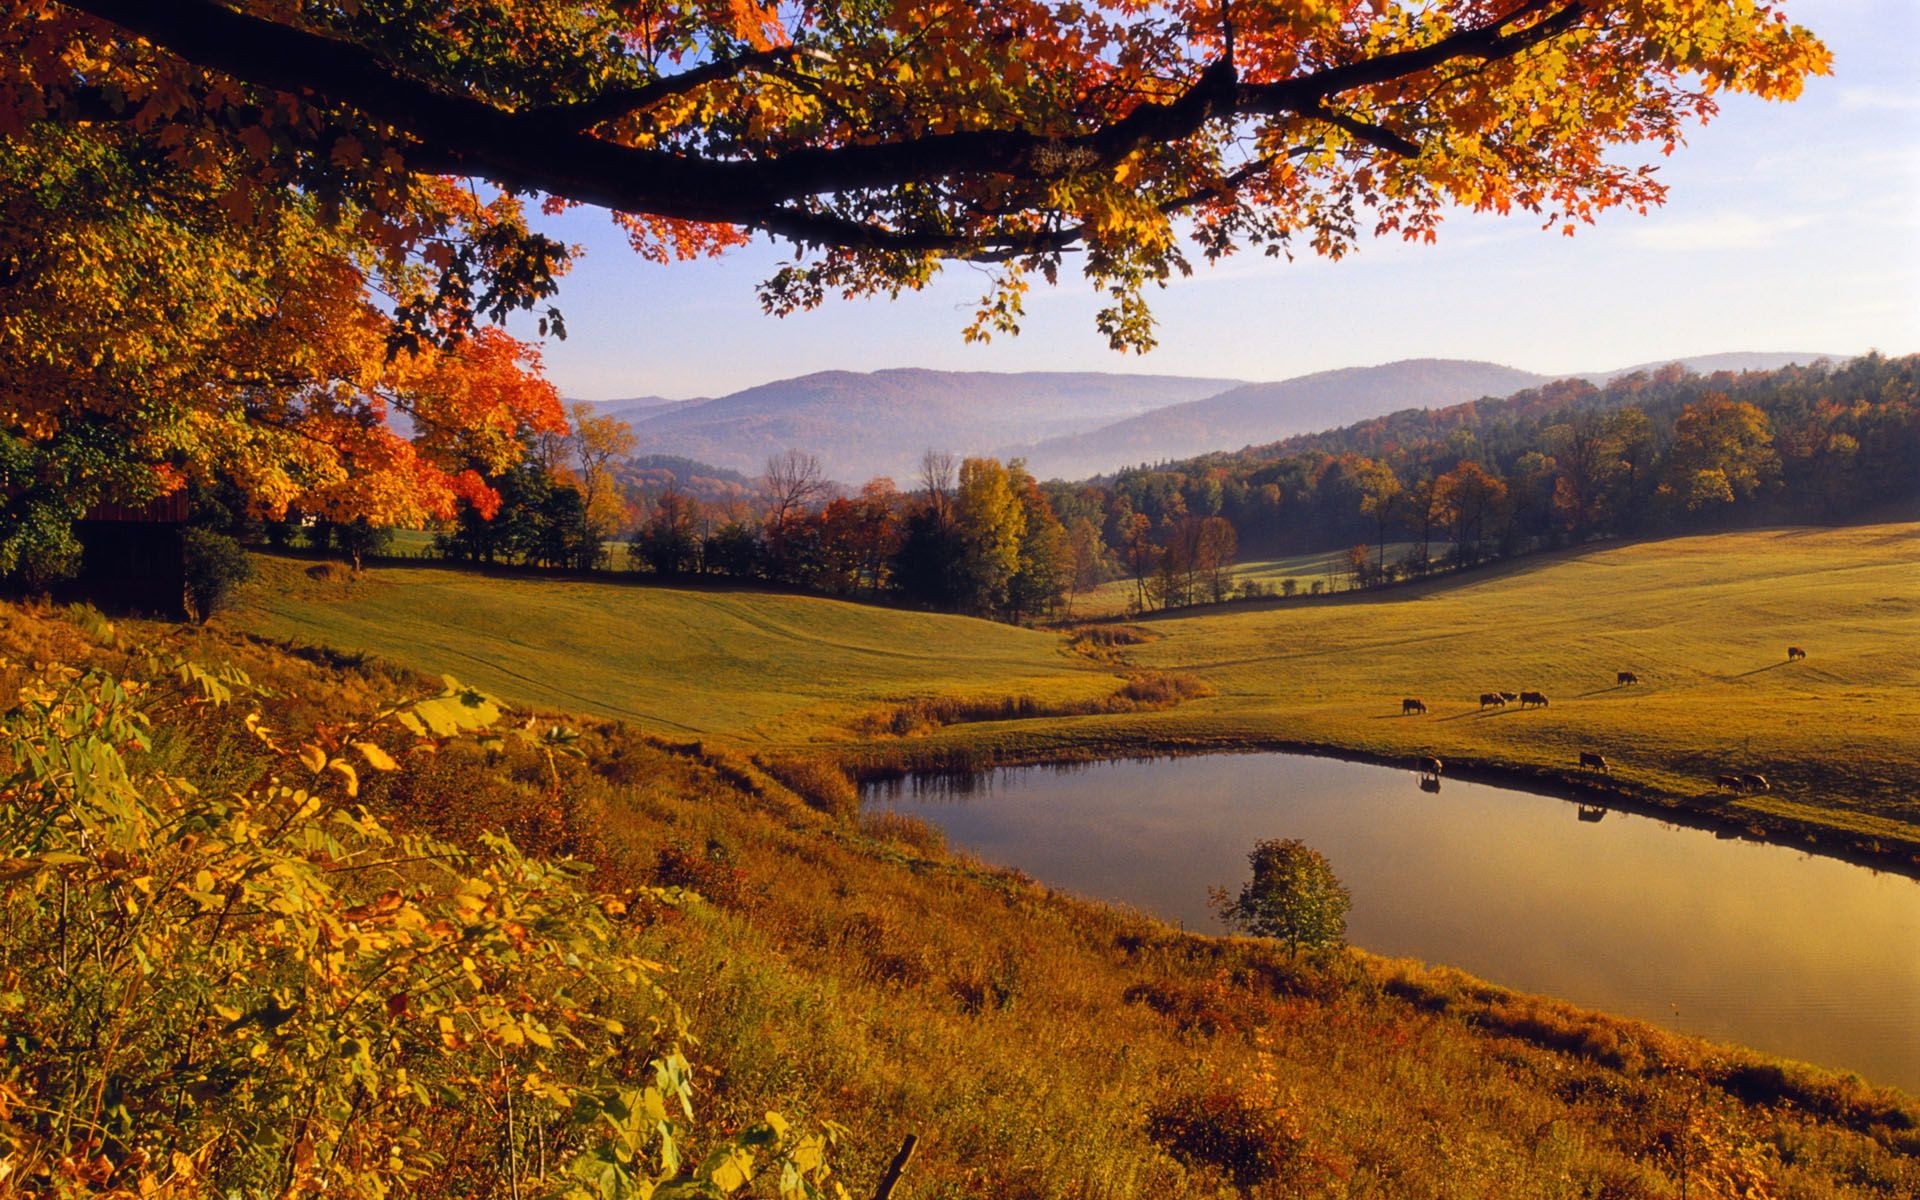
(893, 136)
(1293, 896)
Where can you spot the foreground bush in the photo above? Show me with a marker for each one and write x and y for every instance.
(274, 993)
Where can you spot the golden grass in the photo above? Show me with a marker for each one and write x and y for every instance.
(749, 667)
(1703, 621)
(1046, 1047)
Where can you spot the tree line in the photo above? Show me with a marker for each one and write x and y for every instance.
(1649, 453)
(1403, 495)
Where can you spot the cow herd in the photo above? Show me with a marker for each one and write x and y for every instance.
(1744, 782)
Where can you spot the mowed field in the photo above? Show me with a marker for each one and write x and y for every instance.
(1704, 622)
(744, 666)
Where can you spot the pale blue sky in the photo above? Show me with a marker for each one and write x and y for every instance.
(1787, 227)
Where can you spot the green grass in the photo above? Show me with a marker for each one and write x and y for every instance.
(1704, 622)
(742, 666)
(1325, 567)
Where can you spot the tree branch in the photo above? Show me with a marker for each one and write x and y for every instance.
(620, 102)
(551, 150)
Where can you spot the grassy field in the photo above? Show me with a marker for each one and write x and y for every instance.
(1327, 567)
(1041, 1046)
(1704, 622)
(745, 666)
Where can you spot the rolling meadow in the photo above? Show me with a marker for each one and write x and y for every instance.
(1704, 622)
(851, 973)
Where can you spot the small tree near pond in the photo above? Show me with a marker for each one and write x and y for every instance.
(1293, 896)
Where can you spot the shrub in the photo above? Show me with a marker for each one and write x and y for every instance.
(1238, 1132)
(272, 992)
(1293, 896)
(707, 871)
(920, 836)
(1153, 689)
(822, 783)
(216, 566)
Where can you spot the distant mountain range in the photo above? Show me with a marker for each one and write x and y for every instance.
(880, 423)
(1066, 424)
(1267, 412)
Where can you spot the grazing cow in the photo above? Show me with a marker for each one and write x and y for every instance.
(1597, 762)
(1534, 698)
(1492, 700)
(1509, 697)
(1428, 765)
(1625, 677)
(1430, 783)
(1592, 812)
(1794, 652)
(1732, 783)
(1755, 783)
(1410, 705)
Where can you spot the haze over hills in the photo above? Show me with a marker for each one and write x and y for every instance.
(879, 423)
(1707, 364)
(1267, 412)
(1066, 424)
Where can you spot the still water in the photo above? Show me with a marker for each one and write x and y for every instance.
(1797, 955)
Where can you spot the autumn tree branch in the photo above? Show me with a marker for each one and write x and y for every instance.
(553, 150)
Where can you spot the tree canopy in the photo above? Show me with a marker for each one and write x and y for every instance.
(890, 136)
(240, 236)
(1293, 896)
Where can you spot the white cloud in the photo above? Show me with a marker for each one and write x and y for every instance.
(1880, 98)
(1717, 231)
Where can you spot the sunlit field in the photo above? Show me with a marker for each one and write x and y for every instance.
(1704, 623)
(741, 665)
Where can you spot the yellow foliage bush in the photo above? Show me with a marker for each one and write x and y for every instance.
(274, 993)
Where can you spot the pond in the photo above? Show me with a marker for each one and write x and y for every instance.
(1797, 955)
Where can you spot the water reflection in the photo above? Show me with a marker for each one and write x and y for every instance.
(1802, 956)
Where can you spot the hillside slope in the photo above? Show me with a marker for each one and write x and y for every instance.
(1704, 621)
(839, 972)
(746, 666)
(1265, 412)
(879, 423)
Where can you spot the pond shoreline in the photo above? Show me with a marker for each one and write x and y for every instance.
(1636, 916)
(876, 765)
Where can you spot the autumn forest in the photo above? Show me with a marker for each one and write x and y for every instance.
(411, 786)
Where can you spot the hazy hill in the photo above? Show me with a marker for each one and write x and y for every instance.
(1067, 424)
(1707, 364)
(879, 423)
(1266, 412)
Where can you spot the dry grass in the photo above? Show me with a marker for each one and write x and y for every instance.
(1042, 1046)
(1703, 621)
(1144, 691)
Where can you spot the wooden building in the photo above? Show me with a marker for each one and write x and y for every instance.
(134, 559)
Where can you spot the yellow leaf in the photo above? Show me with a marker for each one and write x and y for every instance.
(346, 771)
(376, 758)
(313, 756)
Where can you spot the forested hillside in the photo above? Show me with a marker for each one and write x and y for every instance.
(1261, 412)
(1646, 453)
